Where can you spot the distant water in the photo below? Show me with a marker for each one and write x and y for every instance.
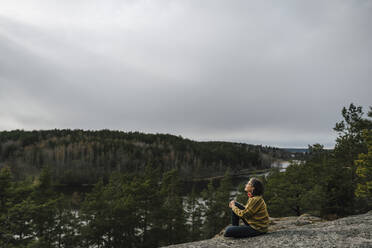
(282, 165)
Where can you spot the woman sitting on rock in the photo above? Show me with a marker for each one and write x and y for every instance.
(254, 214)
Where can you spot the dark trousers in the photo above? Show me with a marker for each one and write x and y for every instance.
(237, 231)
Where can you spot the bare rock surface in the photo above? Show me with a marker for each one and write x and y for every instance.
(303, 231)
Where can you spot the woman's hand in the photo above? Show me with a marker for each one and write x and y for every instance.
(232, 204)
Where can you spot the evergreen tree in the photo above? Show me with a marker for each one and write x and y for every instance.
(210, 214)
(67, 227)
(19, 226)
(223, 199)
(92, 214)
(5, 194)
(294, 191)
(16, 212)
(174, 216)
(5, 188)
(349, 144)
(194, 211)
(110, 215)
(217, 213)
(275, 191)
(125, 214)
(364, 171)
(45, 202)
(149, 206)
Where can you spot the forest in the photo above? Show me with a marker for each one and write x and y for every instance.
(138, 202)
(78, 157)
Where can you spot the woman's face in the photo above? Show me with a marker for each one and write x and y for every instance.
(248, 187)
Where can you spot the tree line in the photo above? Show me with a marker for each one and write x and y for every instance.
(82, 157)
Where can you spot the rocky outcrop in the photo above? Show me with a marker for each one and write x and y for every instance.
(303, 231)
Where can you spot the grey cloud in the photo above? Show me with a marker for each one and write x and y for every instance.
(275, 74)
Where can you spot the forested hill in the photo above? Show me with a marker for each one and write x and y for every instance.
(81, 157)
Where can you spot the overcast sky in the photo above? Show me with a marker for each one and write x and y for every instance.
(261, 72)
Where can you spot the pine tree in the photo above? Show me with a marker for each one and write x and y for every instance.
(223, 199)
(16, 226)
(293, 192)
(349, 144)
(20, 229)
(364, 171)
(17, 211)
(92, 214)
(211, 214)
(111, 214)
(5, 188)
(275, 194)
(45, 208)
(174, 216)
(149, 206)
(67, 226)
(5, 194)
(217, 213)
(194, 216)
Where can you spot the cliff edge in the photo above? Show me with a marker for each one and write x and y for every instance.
(303, 231)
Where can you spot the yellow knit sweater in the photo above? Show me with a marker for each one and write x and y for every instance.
(255, 213)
